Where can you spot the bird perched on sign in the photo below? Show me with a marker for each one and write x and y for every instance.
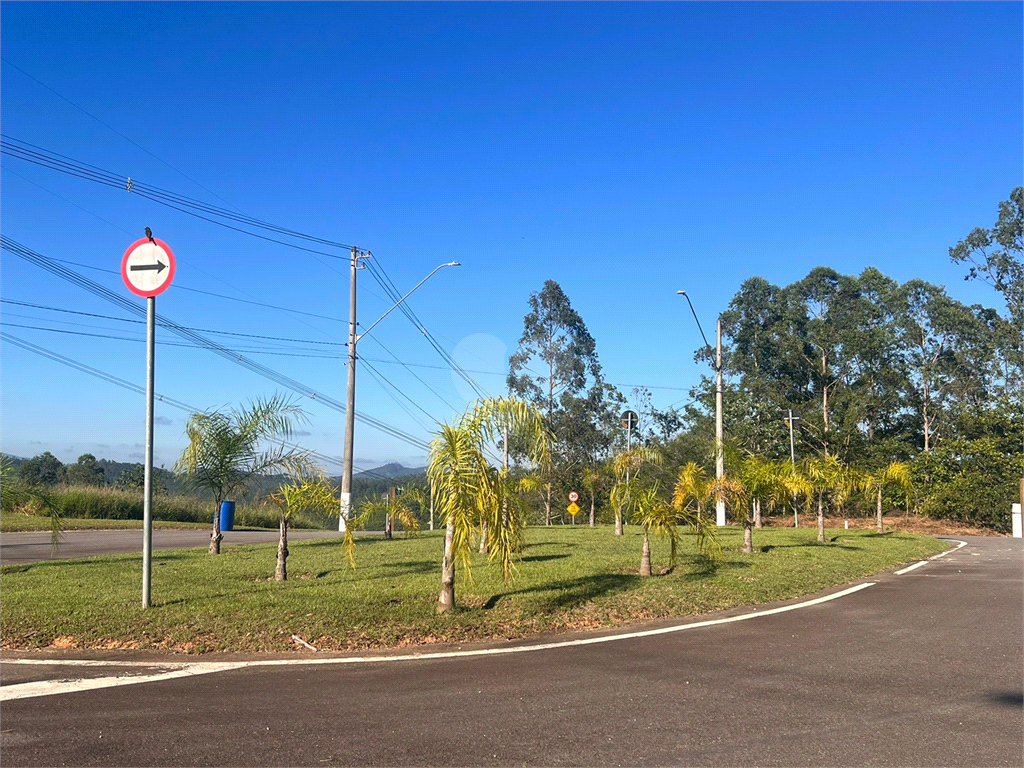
(149, 234)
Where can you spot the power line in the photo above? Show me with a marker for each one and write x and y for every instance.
(111, 379)
(51, 266)
(39, 156)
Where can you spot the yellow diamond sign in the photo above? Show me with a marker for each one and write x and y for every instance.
(573, 509)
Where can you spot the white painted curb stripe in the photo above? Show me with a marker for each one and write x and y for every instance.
(49, 688)
(911, 567)
(960, 545)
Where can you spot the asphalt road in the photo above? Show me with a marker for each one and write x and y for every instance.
(921, 669)
(33, 546)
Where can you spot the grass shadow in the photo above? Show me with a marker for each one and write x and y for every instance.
(571, 593)
(543, 558)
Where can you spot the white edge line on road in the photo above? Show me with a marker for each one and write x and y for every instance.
(909, 568)
(960, 545)
(50, 688)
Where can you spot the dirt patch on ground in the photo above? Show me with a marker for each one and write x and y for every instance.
(909, 524)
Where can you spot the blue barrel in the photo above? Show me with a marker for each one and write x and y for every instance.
(227, 515)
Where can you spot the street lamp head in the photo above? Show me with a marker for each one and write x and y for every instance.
(453, 264)
(681, 293)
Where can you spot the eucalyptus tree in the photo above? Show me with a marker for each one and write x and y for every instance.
(556, 341)
(469, 491)
(226, 449)
(935, 328)
(896, 475)
(828, 320)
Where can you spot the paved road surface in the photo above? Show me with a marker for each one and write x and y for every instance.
(30, 547)
(921, 669)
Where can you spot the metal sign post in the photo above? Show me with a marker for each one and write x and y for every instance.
(147, 269)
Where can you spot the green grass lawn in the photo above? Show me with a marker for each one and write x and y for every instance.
(569, 578)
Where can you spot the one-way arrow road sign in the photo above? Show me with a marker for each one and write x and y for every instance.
(159, 267)
(148, 267)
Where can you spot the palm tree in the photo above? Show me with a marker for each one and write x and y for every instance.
(305, 492)
(826, 475)
(468, 490)
(692, 488)
(224, 454)
(652, 512)
(733, 493)
(593, 478)
(626, 467)
(397, 507)
(761, 479)
(895, 475)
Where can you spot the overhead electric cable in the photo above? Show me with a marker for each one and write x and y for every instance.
(130, 306)
(110, 378)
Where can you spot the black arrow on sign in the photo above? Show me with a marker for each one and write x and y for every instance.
(159, 267)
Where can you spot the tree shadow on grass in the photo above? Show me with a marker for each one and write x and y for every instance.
(571, 593)
(831, 544)
(542, 558)
(700, 566)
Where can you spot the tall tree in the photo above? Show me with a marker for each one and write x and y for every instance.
(555, 363)
(225, 450)
(44, 469)
(85, 471)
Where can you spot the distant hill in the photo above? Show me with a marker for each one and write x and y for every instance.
(390, 471)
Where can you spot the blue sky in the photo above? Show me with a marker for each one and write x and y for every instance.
(625, 150)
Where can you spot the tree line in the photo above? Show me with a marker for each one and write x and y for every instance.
(873, 372)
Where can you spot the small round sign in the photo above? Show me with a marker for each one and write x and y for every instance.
(630, 419)
(573, 496)
(147, 267)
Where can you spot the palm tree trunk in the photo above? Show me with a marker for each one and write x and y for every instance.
(757, 515)
(796, 513)
(618, 521)
(821, 518)
(593, 523)
(547, 505)
(748, 534)
(645, 558)
(446, 600)
(878, 519)
(281, 574)
(483, 538)
(216, 536)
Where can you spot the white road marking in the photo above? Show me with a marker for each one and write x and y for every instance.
(911, 567)
(960, 545)
(188, 669)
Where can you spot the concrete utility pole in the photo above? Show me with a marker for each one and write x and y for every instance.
(792, 460)
(719, 431)
(350, 403)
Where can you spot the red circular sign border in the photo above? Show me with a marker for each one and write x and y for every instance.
(171, 266)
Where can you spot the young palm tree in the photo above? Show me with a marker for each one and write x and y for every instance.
(468, 490)
(826, 475)
(732, 492)
(224, 454)
(626, 467)
(400, 508)
(692, 488)
(305, 492)
(652, 512)
(761, 479)
(593, 478)
(895, 475)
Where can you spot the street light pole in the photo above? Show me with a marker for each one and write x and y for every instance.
(719, 431)
(350, 404)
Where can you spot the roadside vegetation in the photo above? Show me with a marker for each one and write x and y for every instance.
(569, 579)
